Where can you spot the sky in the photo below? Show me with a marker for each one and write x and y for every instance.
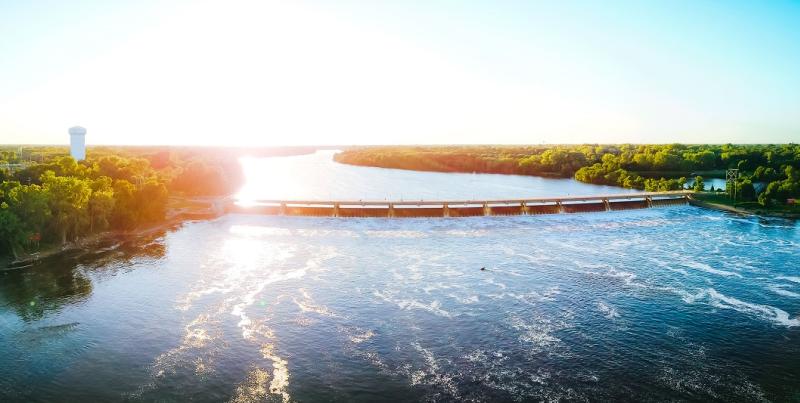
(307, 72)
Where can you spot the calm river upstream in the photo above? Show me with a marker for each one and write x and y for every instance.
(676, 303)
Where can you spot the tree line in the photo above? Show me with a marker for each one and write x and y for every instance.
(657, 167)
(53, 199)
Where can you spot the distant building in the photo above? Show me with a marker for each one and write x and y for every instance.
(77, 143)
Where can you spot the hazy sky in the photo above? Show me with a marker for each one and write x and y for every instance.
(368, 72)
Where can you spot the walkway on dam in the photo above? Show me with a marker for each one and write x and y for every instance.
(460, 208)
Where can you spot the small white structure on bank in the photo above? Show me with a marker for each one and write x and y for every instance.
(77, 143)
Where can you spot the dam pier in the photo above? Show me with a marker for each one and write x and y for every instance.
(459, 208)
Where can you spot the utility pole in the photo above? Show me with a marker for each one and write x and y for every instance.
(731, 176)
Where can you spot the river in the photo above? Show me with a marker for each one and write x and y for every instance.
(675, 303)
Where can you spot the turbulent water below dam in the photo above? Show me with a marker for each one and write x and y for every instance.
(675, 303)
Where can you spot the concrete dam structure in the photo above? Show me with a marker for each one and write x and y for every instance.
(461, 208)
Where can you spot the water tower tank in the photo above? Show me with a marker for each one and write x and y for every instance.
(77, 143)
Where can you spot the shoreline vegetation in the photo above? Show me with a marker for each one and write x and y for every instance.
(49, 203)
(653, 168)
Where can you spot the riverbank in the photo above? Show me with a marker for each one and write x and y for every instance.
(610, 165)
(180, 210)
(722, 203)
(30, 259)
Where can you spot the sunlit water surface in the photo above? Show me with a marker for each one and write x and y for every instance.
(317, 177)
(649, 305)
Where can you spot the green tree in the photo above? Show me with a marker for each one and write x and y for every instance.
(151, 201)
(11, 231)
(101, 204)
(745, 190)
(31, 204)
(69, 198)
(699, 186)
(125, 212)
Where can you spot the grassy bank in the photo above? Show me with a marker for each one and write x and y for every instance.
(723, 202)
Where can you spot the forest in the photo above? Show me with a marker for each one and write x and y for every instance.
(648, 167)
(47, 198)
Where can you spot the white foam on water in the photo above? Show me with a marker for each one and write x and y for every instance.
(325, 233)
(196, 350)
(255, 387)
(550, 293)
(793, 279)
(540, 257)
(719, 300)
(739, 264)
(708, 269)
(592, 266)
(690, 298)
(249, 288)
(360, 336)
(778, 289)
(534, 297)
(280, 373)
(654, 222)
(185, 302)
(771, 313)
(464, 300)
(666, 265)
(395, 234)
(307, 304)
(434, 307)
(247, 299)
(491, 281)
(242, 258)
(428, 371)
(476, 356)
(702, 381)
(689, 381)
(539, 333)
(432, 374)
(439, 286)
(474, 233)
(609, 312)
(628, 278)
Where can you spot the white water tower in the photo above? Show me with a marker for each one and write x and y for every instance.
(77, 143)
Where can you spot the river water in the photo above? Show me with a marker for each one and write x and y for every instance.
(674, 303)
(316, 177)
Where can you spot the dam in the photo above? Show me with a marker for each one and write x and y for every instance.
(459, 208)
